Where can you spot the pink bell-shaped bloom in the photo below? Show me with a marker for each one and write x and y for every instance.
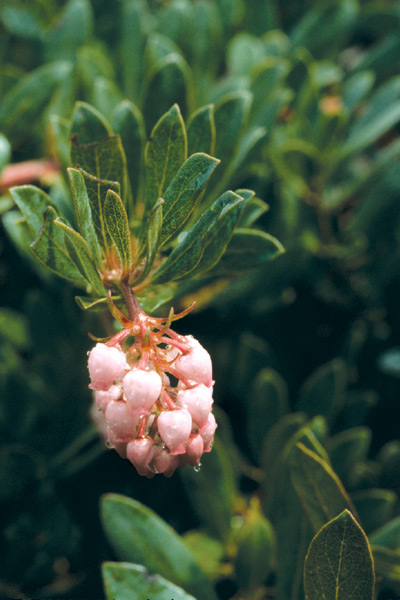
(194, 449)
(106, 364)
(140, 452)
(174, 427)
(198, 401)
(103, 397)
(207, 432)
(164, 462)
(114, 441)
(141, 389)
(195, 365)
(121, 420)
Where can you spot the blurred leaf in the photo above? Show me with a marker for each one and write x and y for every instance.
(220, 219)
(201, 131)
(254, 208)
(135, 22)
(323, 392)
(230, 116)
(388, 535)
(207, 551)
(72, 30)
(22, 21)
(135, 531)
(165, 152)
(375, 507)
(84, 214)
(5, 151)
(49, 249)
(14, 328)
(106, 95)
(319, 488)
(117, 224)
(356, 88)
(277, 437)
(89, 125)
(212, 490)
(248, 248)
(243, 51)
(181, 194)
(151, 238)
(33, 203)
(126, 581)
(387, 563)
(128, 122)
(255, 549)
(339, 563)
(347, 450)
(268, 403)
(21, 106)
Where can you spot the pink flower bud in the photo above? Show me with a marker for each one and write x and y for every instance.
(102, 398)
(114, 441)
(121, 420)
(142, 388)
(174, 427)
(140, 453)
(194, 449)
(106, 364)
(195, 365)
(164, 462)
(198, 401)
(207, 433)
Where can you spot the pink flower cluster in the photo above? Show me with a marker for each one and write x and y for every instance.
(157, 426)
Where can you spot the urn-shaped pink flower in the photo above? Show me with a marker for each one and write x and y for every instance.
(141, 389)
(195, 365)
(174, 427)
(198, 401)
(106, 364)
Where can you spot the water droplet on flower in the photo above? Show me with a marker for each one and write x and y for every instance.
(109, 444)
(197, 468)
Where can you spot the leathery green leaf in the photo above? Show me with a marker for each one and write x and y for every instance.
(84, 213)
(79, 252)
(89, 125)
(319, 488)
(49, 249)
(201, 130)
(126, 581)
(117, 224)
(347, 450)
(151, 239)
(104, 160)
(184, 258)
(139, 535)
(230, 115)
(165, 152)
(375, 507)
(32, 202)
(248, 248)
(323, 392)
(339, 563)
(181, 195)
(97, 191)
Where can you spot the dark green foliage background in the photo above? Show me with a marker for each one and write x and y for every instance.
(333, 188)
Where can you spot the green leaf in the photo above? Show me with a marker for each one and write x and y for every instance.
(168, 83)
(278, 436)
(128, 122)
(181, 195)
(186, 256)
(14, 328)
(73, 29)
(103, 160)
(5, 151)
(254, 209)
(33, 203)
(230, 116)
(339, 563)
(135, 23)
(375, 507)
(268, 403)
(126, 581)
(97, 192)
(106, 95)
(248, 249)
(165, 152)
(387, 563)
(347, 450)
(207, 551)
(49, 249)
(201, 130)
(151, 242)
(84, 214)
(243, 51)
(89, 125)
(388, 535)
(323, 392)
(356, 88)
(94, 304)
(79, 252)
(212, 490)
(21, 106)
(255, 549)
(116, 220)
(319, 488)
(139, 535)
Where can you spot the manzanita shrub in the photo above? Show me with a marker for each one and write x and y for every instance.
(162, 158)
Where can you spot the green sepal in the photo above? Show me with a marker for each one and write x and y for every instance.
(201, 131)
(181, 195)
(89, 125)
(83, 212)
(248, 249)
(49, 249)
(80, 254)
(339, 564)
(134, 530)
(117, 225)
(187, 255)
(33, 203)
(127, 581)
(165, 152)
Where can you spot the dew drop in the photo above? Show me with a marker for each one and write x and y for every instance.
(109, 444)
(197, 468)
